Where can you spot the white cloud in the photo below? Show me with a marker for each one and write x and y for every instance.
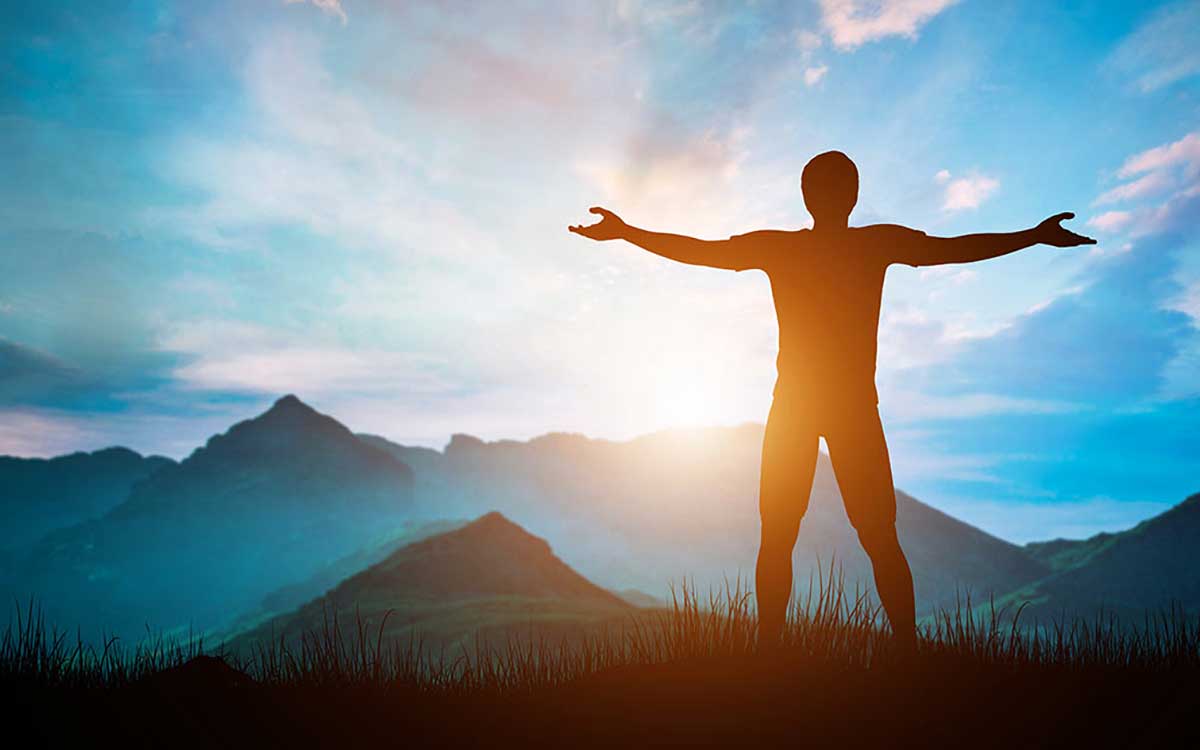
(1163, 50)
(1022, 522)
(1188, 302)
(44, 433)
(808, 42)
(1146, 185)
(1179, 211)
(1173, 166)
(852, 23)
(245, 358)
(667, 181)
(318, 158)
(953, 273)
(29, 433)
(1111, 221)
(966, 192)
(913, 406)
(910, 338)
(331, 7)
(813, 75)
(1184, 152)
(1181, 376)
(652, 13)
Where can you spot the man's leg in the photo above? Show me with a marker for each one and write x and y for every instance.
(864, 475)
(789, 458)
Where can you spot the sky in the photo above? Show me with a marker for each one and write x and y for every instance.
(204, 206)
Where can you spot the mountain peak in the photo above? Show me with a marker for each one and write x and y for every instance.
(292, 413)
(494, 519)
(291, 434)
(461, 442)
(491, 556)
(289, 403)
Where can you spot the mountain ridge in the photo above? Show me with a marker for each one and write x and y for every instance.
(41, 495)
(264, 504)
(285, 503)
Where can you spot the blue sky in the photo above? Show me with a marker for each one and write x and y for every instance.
(206, 205)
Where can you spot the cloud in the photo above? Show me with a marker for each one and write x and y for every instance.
(955, 274)
(1180, 211)
(1147, 185)
(1105, 344)
(813, 75)
(1188, 301)
(1122, 334)
(913, 406)
(808, 42)
(1172, 167)
(1162, 51)
(331, 7)
(671, 177)
(148, 429)
(244, 358)
(317, 156)
(28, 375)
(26, 432)
(852, 23)
(652, 13)
(1111, 221)
(1021, 522)
(1184, 152)
(965, 193)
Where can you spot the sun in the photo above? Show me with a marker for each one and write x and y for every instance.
(686, 396)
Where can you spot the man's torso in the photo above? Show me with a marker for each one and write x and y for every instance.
(827, 291)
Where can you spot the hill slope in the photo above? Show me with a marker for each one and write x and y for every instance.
(266, 504)
(488, 579)
(1146, 568)
(39, 495)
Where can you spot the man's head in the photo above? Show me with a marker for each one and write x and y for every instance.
(830, 186)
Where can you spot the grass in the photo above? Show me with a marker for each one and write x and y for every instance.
(829, 625)
(690, 665)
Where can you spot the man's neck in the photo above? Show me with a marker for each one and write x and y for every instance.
(831, 226)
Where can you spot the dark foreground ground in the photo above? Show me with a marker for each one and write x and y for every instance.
(744, 702)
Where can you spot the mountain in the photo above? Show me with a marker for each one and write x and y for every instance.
(39, 495)
(292, 595)
(640, 599)
(1148, 568)
(268, 503)
(682, 505)
(489, 580)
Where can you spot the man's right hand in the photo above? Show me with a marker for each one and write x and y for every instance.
(1051, 232)
(610, 226)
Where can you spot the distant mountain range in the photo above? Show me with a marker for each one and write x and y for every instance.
(683, 505)
(41, 495)
(1145, 569)
(268, 503)
(290, 507)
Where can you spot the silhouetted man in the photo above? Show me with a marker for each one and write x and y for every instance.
(827, 283)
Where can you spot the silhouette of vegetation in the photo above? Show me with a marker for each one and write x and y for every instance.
(683, 669)
(830, 624)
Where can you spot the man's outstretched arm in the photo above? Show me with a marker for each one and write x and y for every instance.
(714, 253)
(930, 251)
